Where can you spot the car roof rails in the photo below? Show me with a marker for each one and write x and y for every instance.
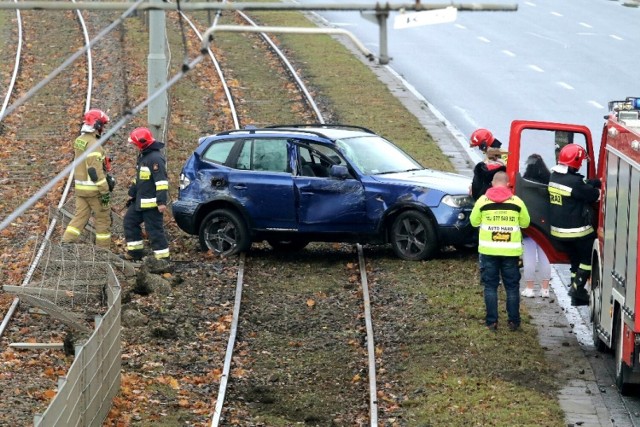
(321, 125)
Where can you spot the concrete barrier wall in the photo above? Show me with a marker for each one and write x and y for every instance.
(85, 394)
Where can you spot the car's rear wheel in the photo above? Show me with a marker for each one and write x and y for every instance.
(292, 245)
(224, 232)
(413, 237)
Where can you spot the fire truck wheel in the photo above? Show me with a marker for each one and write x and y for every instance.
(595, 307)
(622, 370)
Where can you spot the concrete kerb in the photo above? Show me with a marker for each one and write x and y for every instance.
(562, 330)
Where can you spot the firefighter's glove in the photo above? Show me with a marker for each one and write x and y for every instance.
(594, 183)
(111, 182)
(105, 199)
(129, 202)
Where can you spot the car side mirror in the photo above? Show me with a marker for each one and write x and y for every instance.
(339, 171)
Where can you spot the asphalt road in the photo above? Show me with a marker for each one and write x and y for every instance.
(549, 60)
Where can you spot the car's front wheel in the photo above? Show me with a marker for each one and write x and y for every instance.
(413, 237)
(224, 232)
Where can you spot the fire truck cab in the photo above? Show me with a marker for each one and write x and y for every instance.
(614, 278)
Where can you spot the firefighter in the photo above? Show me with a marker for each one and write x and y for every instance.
(93, 185)
(571, 217)
(494, 162)
(148, 198)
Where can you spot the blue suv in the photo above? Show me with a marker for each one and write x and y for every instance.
(294, 184)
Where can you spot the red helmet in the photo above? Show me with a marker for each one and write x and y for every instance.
(572, 155)
(96, 119)
(141, 138)
(481, 138)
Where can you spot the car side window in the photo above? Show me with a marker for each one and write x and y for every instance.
(269, 155)
(317, 159)
(219, 152)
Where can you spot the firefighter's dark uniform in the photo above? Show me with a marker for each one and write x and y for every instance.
(90, 186)
(571, 221)
(148, 191)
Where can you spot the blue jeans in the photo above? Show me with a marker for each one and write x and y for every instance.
(493, 267)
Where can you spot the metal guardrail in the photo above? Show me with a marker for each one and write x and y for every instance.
(85, 394)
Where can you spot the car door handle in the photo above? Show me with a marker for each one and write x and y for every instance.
(240, 186)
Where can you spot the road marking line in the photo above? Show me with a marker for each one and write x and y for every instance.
(536, 68)
(595, 104)
(484, 39)
(584, 24)
(462, 27)
(508, 53)
(556, 14)
(565, 85)
(613, 36)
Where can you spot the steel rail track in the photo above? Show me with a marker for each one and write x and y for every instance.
(67, 188)
(308, 99)
(16, 65)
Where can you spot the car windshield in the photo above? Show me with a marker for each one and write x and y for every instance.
(374, 155)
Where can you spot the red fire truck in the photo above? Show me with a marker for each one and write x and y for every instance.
(615, 263)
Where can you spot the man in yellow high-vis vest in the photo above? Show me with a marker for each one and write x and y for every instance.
(500, 215)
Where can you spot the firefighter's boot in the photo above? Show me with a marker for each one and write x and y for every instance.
(578, 293)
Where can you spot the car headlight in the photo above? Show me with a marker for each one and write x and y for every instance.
(458, 201)
(184, 181)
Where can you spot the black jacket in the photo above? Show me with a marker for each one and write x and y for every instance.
(482, 176)
(150, 187)
(571, 197)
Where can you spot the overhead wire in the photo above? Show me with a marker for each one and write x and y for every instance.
(31, 92)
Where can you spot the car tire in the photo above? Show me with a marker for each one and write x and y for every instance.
(292, 245)
(224, 232)
(413, 236)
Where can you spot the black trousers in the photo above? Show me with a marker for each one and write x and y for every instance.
(579, 251)
(153, 224)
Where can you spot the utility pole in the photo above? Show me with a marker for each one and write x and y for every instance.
(157, 70)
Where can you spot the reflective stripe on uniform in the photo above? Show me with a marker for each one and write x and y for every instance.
(145, 173)
(137, 245)
(571, 232)
(560, 189)
(162, 185)
(96, 154)
(103, 236)
(72, 230)
(503, 245)
(586, 267)
(162, 253)
(148, 203)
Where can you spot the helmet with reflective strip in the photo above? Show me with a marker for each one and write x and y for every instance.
(481, 138)
(141, 138)
(96, 119)
(572, 155)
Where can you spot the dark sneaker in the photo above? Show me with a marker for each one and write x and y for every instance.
(513, 326)
(492, 327)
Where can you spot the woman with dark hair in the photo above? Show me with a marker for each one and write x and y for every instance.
(533, 255)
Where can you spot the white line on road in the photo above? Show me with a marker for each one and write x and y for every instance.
(613, 36)
(462, 27)
(565, 85)
(508, 52)
(556, 14)
(584, 24)
(484, 39)
(595, 104)
(528, 3)
(536, 68)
